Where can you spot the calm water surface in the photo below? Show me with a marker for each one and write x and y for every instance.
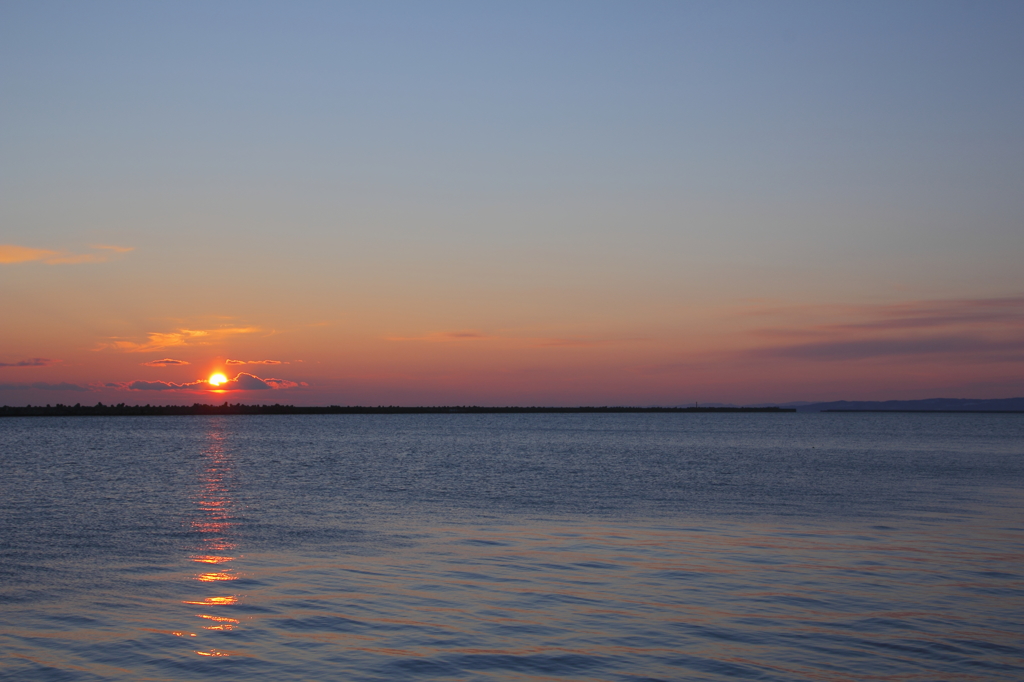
(513, 547)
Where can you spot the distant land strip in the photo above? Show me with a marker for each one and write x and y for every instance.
(936, 411)
(993, 405)
(122, 410)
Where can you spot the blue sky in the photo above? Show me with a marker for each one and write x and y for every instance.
(593, 170)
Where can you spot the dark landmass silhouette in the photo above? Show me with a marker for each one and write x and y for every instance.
(997, 405)
(122, 410)
(928, 405)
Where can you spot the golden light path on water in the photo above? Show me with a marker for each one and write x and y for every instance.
(216, 505)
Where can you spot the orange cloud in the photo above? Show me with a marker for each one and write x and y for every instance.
(12, 253)
(183, 337)
(166, 362)
(9, 253)
(254, 362)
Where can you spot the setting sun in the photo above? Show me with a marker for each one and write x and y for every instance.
(217, 379)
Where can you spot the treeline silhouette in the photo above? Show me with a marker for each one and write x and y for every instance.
(123, 410)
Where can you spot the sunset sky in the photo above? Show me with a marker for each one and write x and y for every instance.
(510, 203)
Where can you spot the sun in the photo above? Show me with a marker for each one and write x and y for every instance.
(217, 379)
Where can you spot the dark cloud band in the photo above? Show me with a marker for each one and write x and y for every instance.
(42, 385)
(31, 362)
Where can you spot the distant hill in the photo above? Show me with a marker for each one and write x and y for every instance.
(929, 405)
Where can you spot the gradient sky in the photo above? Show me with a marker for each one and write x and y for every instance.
(497, 203)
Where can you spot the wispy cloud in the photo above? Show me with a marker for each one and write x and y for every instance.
(523, 341)
(42, 385)
(968, 328)
(9, 253)
(924, 314)
(31, 362)
(463, 335)
(12, 253)
(435, 337)
(111, 247)
(579, 343)
(254, 362)
(575, 343)
(166, 362)
(860, 349)
(182, 337)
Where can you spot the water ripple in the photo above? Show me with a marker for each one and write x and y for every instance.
(302, 549)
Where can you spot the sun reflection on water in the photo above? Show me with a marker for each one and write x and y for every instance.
(214, 526)
(210, 559)
(222, 623)
(216, 652)
(214, 601)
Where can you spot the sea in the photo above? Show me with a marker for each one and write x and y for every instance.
(530, 547)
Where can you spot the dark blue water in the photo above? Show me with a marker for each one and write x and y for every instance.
(513, 547)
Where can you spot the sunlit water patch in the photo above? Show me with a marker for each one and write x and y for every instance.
(509, 548)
